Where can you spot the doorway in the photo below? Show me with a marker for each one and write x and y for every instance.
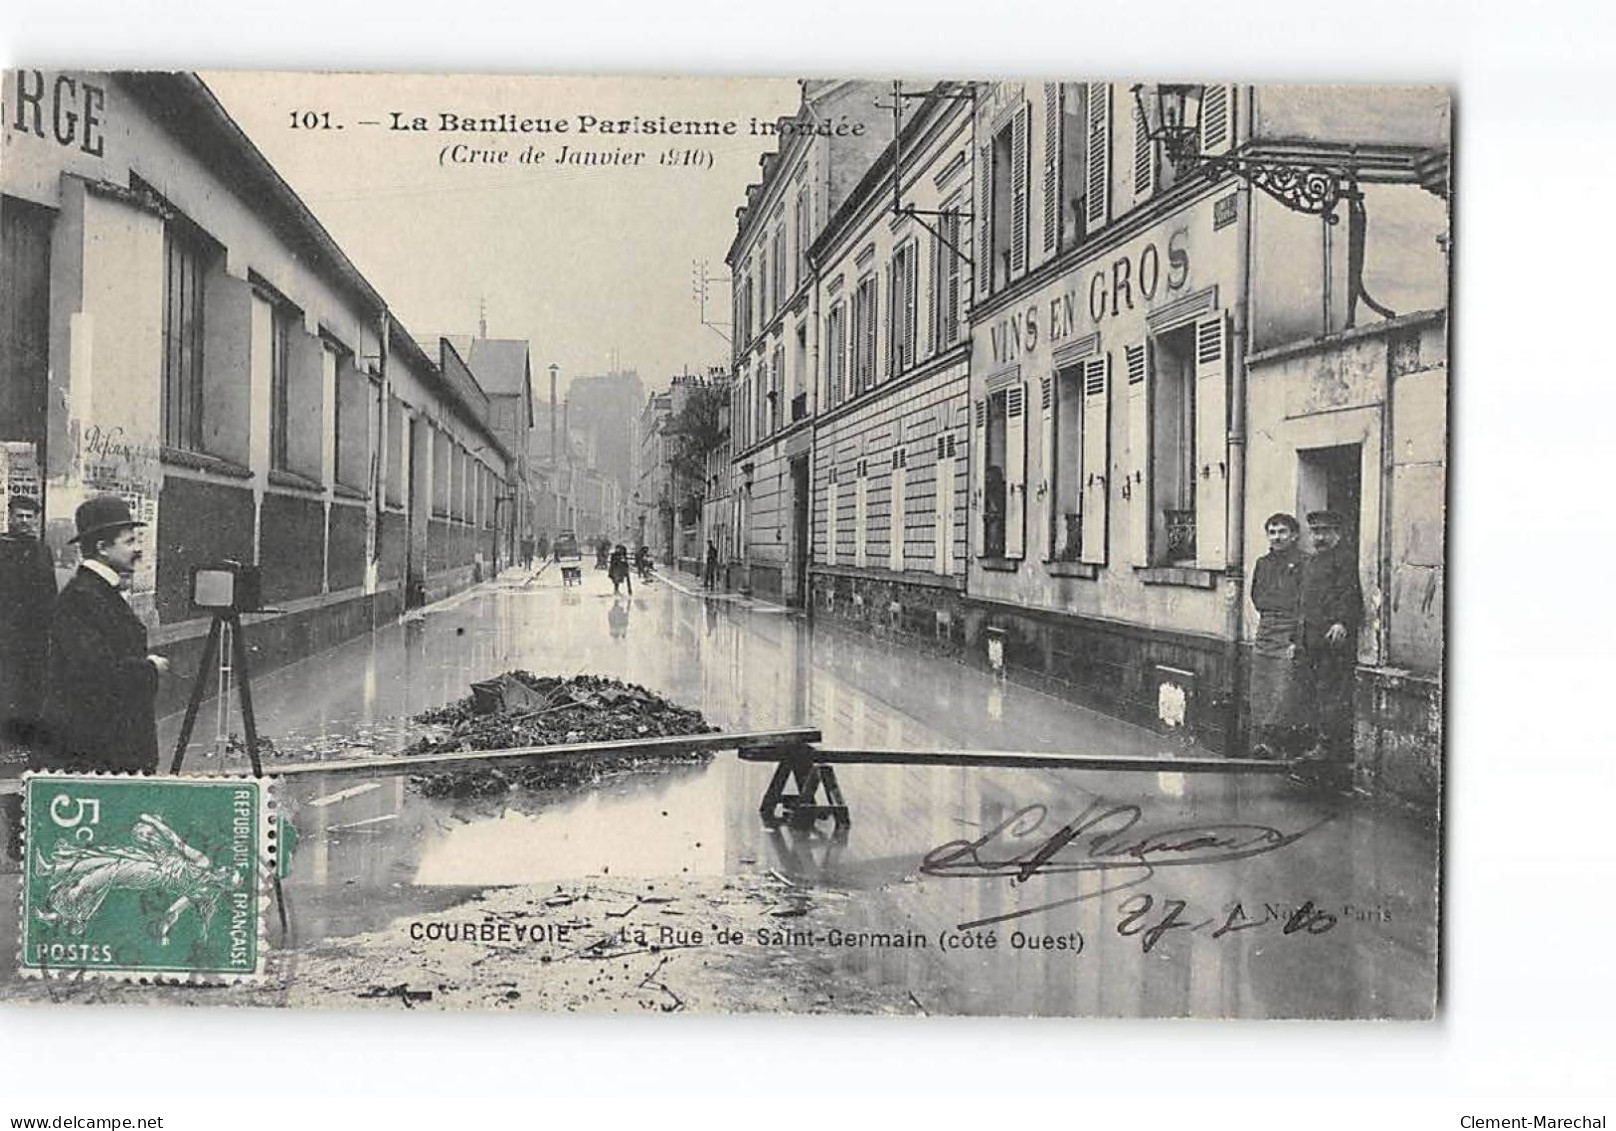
(25, 239)
(1331, 479)
(799, 532)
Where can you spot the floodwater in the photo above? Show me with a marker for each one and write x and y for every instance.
(1329, 911)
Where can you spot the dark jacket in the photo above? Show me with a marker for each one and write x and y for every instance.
(1276, 582)
(1330, 595)
(100, 697)
(27, 593)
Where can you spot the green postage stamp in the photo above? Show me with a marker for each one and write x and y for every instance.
(143, 878)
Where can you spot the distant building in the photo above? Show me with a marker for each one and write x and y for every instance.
(776, 326)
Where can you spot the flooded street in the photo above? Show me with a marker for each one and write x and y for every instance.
(1328, 910)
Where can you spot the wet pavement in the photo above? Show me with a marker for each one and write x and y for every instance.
(1243, 896)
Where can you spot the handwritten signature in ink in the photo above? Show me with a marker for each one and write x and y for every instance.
(1103, 838)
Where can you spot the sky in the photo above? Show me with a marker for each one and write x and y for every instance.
(587, 263)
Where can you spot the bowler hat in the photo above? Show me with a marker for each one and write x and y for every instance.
(102, 514)
(1325, 519)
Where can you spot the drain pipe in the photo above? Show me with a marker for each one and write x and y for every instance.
(1234, 577)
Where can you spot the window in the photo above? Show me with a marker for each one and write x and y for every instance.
(777, 378)
(25, 245)
(799, 375)
(1001, 435)
(280, 387)
(901, 318)
(1171, 374)
(1065, 465)
(945, 280)
(182, 339)
(995, 489)
(355, 397)
(763, 288)
(836, 354)
(1097, 156)
(781, 293)
(864, 310)
(804, 234)
(1072, 181)
(999, 209)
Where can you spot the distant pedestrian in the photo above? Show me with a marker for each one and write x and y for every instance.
(1332, 610)
(27, 594)
(618, 571)
(101, 690)
(1276, 592)
(710, 577)
(527, 553)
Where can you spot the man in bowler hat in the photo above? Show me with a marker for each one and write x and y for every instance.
(100, 700)
(1332, 610)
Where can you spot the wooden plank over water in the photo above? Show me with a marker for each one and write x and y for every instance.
(1016, 759)
(393, 766)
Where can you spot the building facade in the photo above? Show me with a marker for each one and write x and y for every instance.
(179, 329)
(1140, 398)
(802, 185)
(892, 380)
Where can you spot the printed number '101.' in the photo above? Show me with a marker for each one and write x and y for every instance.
(312, 120)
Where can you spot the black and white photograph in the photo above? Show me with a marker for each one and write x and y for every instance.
(752, 546)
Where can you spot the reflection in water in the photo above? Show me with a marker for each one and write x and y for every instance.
(744, 669)
(649, 826)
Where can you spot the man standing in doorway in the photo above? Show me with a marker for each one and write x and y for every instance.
(100, 698)
(1332, 610)
(27, 593)
(1276, 593)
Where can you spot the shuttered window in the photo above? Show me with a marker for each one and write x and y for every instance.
(804, 236)
(861, 515)
(901, 317)
(836, 354)
(832, 515)
(1211, 440)
(1136, 487)
(182, 340)
(979, 463)
(1144, 158)
(864, 334)
(1019, 175)
(1097, 158)
(897, 529)
(1217, 119)
(1096, 458)
(1052, 165)
(982, 221)
(1015, 470)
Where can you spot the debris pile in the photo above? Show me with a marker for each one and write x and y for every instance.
(522, 709)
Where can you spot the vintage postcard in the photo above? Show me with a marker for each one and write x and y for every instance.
(927, 547)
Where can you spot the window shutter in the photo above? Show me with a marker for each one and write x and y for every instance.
(892, 270)
(832, 513)
(1046, 489)
(951, 316)
(896, 526)
(1138, 469)
(979, 463)
(1097, 161)
(1019, 173)
(983, 220)
(1096, 458)
(1052, 164)
(942, 508)
(934, 295)
(1015, 472)
(1211, 441)
(1217, 119)
(911, 303)
(1144, 157)
(861, 515)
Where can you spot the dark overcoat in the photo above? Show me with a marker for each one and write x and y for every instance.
(100, 696)
(27, 592)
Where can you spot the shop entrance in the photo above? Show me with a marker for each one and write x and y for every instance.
(799, 533)
(25, 237)
(1330, 479)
